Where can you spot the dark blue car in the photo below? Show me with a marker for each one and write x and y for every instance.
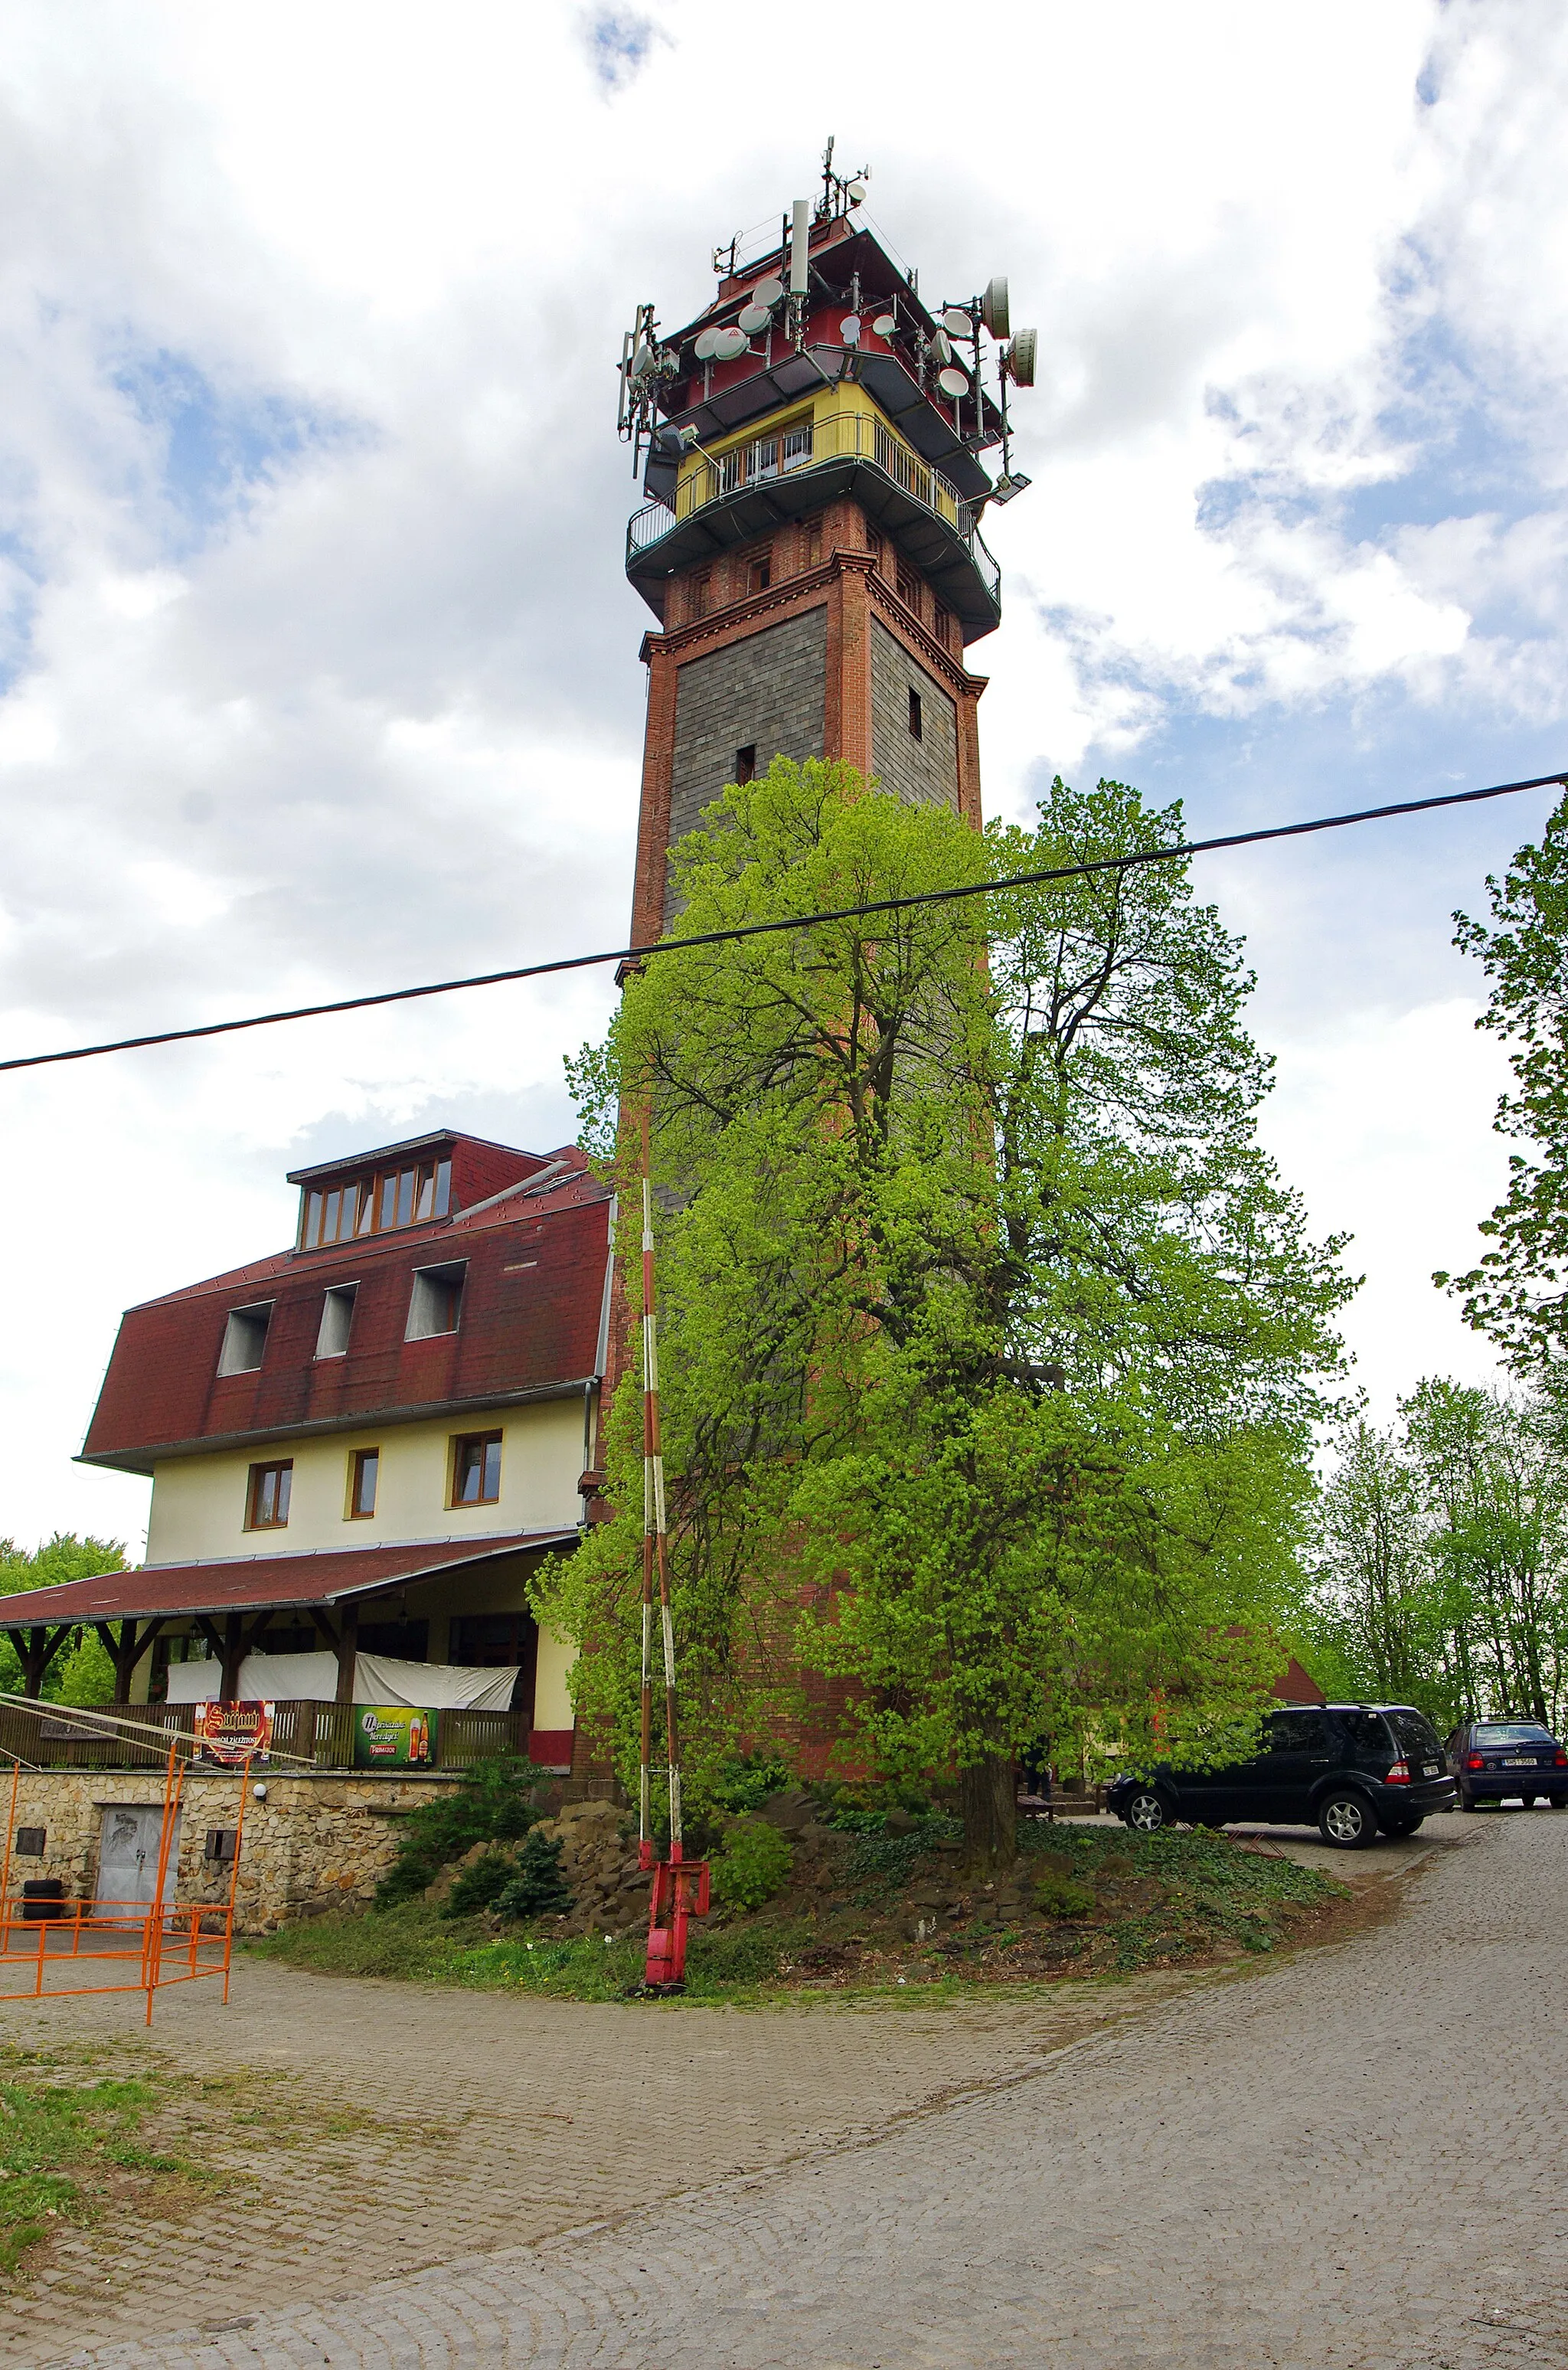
(1509, 1760)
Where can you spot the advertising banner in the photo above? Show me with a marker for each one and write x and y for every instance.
(393, 1736)
(232, 1734)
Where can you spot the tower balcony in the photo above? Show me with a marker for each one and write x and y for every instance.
(801, 464)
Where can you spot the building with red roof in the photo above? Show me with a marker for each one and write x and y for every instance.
(360, 1446)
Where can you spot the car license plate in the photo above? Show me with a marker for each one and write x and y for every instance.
(1516, 1761)
(1431, 1770)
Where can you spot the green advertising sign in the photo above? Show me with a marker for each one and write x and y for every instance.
(393, 1736)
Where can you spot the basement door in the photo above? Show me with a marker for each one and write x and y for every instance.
(128, 1855)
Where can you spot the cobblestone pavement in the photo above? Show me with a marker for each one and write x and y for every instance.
(1352, 2160)
(377, 2128)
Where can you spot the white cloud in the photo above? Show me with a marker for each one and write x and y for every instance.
(323, 666)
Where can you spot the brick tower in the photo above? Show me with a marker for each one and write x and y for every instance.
(811, 546)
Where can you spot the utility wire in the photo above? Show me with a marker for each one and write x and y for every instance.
(789, 922)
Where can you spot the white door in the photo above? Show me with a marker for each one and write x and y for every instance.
(128, 1855)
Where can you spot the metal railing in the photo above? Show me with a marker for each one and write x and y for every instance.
(814, 444)
(320, 1734)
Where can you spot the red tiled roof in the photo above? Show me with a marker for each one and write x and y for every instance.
(249, 1583)
(535, 1256)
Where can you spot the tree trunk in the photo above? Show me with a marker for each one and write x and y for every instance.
(988, 1805)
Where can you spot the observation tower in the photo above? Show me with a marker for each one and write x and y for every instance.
(811, 450)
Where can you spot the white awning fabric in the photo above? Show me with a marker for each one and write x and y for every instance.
(378, 1679)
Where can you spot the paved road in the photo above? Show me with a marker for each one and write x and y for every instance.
(1286, 2170)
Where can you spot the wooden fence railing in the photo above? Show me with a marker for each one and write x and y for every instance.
(320, 1734)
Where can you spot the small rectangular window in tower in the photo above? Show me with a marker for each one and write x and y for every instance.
(364, 1467)
(811, 543)
(267, 1499)
(477, 1469)
(916, 726)
(760, 575)
(746, 763)
(700, 594)
(874, 545)
(908, 588)
(943, 627)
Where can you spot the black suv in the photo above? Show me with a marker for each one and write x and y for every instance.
(1356, 1769)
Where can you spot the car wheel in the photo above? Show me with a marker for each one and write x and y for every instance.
(1467, 1801)
(1146, 1812)
(1346, 1821)
(1558, 1801)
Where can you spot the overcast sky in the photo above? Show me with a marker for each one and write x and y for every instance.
(318, 669)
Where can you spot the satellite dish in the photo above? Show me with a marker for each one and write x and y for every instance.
(769, 292)
(644, 362)
(956, 322)
(993, 306)
(939, 349)
(886, 325)
(1021, 357)
(849, 329)
(728, 343)
(704, 349)
(953, 381)
(855, 192)
(754, 319)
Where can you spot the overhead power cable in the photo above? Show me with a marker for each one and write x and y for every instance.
(787, 922)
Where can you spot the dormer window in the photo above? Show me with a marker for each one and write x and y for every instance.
(245, 1339)
(375, 1203)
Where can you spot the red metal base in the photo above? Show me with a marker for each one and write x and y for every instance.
(680, 1890)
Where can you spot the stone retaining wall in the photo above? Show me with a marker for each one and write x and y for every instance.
(311, 1845)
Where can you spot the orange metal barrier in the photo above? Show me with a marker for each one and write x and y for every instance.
(167, 1942)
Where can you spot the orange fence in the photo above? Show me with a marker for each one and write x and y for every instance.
(154, 1945)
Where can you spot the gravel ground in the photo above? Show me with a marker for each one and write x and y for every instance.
(1353, 2158)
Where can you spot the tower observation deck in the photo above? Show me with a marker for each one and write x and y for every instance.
(810, 447)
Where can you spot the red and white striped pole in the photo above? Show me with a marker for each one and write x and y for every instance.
(679, 1889)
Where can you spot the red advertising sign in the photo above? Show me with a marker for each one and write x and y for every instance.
(232, 1734)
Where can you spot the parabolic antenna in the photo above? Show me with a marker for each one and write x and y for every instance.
(754, 319)
(956, 322)
(728, 343)
(953, 381)
(993, 306)
(886, 325)
(703, 348)
(1021, 357)
(643, 361)
(849, 329)
(769, 292)
(856, 192)
(939, 349)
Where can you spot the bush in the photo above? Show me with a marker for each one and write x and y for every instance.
(861, 1810)
(496, 1802)
(479, 1884)
(536, 1887)
(1063, 1896)
(754, 1864)
(745, 1783)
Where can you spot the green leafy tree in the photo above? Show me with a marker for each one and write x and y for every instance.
(81, 1673)
(1441, 1569)
(993, 1343)
(1518, 1293)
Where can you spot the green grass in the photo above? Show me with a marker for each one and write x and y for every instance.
(1182, 1891)
(413, 1943)
(59, 2139)
(1114, 1902)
